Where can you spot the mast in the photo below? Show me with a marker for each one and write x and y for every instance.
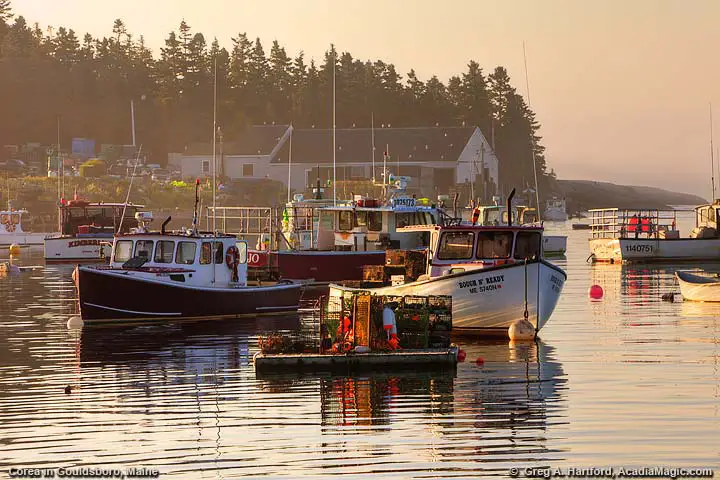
(712, 158)
(214, 148)
(333, 133)
(532, 139)
(372, 136)
(132, 119)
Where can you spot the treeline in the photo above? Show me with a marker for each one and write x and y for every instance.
(88, 83)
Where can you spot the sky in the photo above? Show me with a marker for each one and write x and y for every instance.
(623, 89)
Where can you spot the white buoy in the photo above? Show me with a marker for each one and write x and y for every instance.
(521, 330)
(75, 322)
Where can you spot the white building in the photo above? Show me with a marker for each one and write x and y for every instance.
(438, 159)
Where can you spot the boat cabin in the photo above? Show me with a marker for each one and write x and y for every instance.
(366, 226)
(193, 259)
(454, 249)
(11, 221)
(707, 218)
(79, 217)
(494, 215)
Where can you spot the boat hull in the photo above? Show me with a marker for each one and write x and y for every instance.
(699, 288)
(487, 301)
(111, 296)
(23, 239)
(78, 249)
(647, 250)
(325, 267)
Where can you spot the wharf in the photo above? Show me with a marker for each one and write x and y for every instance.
(430, 358)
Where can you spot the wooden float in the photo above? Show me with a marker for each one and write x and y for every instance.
(435, 358)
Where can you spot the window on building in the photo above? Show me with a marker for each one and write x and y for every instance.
(206, 166)
(527, 245)
(164, 251)
(123, 250)
(185, 254)
(248, 169)
(456, 245)
(494, 244)
(143, 249)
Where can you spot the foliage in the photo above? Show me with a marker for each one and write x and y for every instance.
(88, 84)
(93, 168)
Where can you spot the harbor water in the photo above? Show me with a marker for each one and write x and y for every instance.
(627, 380)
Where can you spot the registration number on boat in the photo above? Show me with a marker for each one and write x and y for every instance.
(641, 248)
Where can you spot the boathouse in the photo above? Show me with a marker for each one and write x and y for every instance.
(438, 159)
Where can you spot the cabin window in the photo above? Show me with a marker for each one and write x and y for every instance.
(206, 253)
(494, 244)
(143, 249)
(123, 250)
(185, 254)
(456, 245)
(219, 253)
(206, 166)
(15, 218)
(346, 220)
(403, 219)
(164, 251)
(374, 221)
(247, 169)
(325, 220)
(361, 218)
(242, 248)
(527, 245)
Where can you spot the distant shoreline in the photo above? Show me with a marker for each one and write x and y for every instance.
(583, 195)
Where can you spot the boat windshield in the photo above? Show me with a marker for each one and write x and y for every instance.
(495, 217)
(494, 244)
(527, 245)
(456, 246)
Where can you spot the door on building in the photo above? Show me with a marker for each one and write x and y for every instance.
(444, 179)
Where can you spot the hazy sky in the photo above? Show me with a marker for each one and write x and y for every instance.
(622, 88)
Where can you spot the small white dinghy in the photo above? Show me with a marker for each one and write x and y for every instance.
(699, 286)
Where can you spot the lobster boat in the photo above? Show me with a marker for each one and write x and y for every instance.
(11, 230)
(494, 274)
(179, 275)
(624, 235)
(86, 230)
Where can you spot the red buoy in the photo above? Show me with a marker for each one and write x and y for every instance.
(461, 356)
(480, 361)
(596, 292)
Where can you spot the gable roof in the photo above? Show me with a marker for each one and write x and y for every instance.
(254, 140)
(354, 145)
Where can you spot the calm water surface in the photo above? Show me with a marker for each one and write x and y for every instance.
(628, 380)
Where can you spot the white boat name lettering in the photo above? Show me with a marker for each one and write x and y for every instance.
(483, 284)
(83, 243)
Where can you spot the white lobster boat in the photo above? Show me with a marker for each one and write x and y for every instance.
(555, 210)
(490, 271)
(87, 230)
(11, 230)
(622, 235)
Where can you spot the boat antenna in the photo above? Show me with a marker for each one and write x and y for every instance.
(532, 138)
(290, 161)
(333, 131)
(195, 208)
(127, 197)
(712, 158)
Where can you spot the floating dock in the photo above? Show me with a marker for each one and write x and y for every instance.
(440, 358)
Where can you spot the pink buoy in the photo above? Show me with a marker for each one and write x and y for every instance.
(461, 356)
(595, 292)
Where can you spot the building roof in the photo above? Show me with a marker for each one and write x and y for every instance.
(354, 145)
(254, 140)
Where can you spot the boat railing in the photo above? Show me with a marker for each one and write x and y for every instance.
(632, 223)
(267, 228)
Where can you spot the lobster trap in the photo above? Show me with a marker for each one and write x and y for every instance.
(356, 319)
